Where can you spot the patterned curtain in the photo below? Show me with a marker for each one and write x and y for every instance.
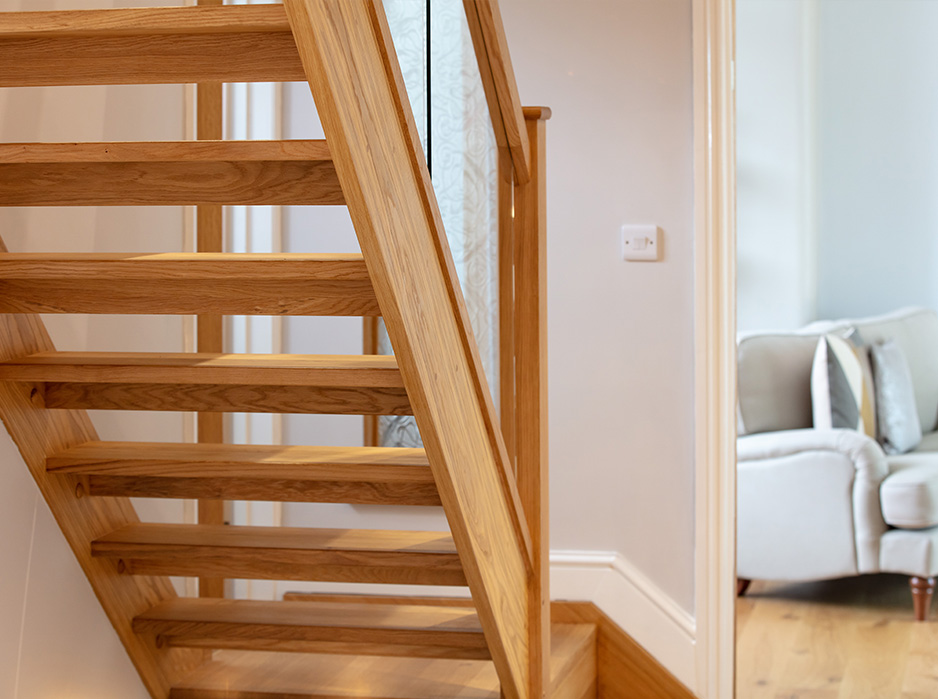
(464, 162)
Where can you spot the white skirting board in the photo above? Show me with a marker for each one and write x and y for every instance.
(633, 602)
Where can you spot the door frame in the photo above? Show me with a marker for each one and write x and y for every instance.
(714, 41)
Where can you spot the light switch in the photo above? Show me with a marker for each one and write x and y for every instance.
(640, 243)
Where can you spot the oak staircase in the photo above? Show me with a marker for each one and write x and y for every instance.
(487, 472)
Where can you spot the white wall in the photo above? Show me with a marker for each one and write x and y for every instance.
(617, 74)
(776, 104)
(838, 158)
(54, 638)
(878, 140)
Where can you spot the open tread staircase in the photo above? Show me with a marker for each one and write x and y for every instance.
(498, 644)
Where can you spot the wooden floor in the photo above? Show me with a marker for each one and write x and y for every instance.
(841, 639)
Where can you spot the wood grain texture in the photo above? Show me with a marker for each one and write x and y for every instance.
(359, 476)
(194, 283)
(506, 300)
(491, 45)
(38, 433)
(349, 59)
(531, 419)
(625, 670)
(255, 675)
(465, 602)
(371, 436)
(319, 370)
(167, 173)
(285, 553)
(147, 45)
(854, 638)
(210, 328)
(316, 627)
(254, 398)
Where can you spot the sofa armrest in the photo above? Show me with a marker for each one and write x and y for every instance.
(810, 499)
(867, 456)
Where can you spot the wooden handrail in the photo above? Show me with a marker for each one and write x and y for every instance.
(349, 58)
(498, 80)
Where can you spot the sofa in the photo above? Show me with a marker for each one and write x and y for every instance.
(817, 504)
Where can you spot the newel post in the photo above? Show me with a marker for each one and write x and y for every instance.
(530, 344)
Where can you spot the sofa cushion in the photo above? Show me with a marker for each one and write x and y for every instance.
(775, 368)
(841, 388)
(915, 330)
(909, 494)
(899, 424)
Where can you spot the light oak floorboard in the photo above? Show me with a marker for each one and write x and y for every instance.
(842, 639)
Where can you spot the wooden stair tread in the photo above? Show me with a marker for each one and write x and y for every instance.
(308, 150)
(186, 283)
(148, 45)
(353, 475)
(376, 371)
(168, 173)
(284, 538)
(149, 20)
(257, 675)
(397, 630)
(285, 553)
(202, 460)
(168, 266)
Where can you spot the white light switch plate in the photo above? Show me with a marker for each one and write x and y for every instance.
(640, 243)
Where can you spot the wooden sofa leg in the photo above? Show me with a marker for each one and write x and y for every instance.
(922, 591)
(742, 584)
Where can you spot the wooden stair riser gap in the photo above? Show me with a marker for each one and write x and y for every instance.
(226, 399)
(389, 645)
(39, 433)
(266, 489)
(348, 55)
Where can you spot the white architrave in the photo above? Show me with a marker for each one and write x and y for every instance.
(714, 39)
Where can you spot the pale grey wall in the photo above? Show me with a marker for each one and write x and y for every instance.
(878, 156)
(776, 166)
(838, 158)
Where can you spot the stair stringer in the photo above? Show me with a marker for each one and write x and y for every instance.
(39, 433)
(349, 59)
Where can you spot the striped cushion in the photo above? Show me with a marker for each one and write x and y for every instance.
(842, 387)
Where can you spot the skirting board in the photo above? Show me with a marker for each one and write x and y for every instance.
(632, 602)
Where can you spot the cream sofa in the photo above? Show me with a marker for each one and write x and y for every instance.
(816, 504)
